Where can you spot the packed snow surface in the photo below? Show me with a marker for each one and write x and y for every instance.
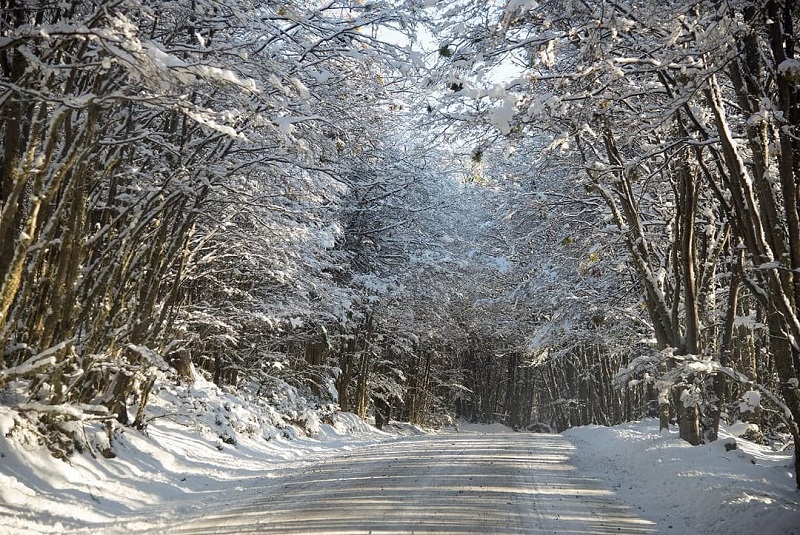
(447, 483)
(204, 445)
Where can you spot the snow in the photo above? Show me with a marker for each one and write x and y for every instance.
(206, 119)
(750, 401)
(302, 90)
(500, 117)
(201, 443)
(688, 489)
(205, 445)
(285, 125)
(789, 67)
(38, 361)
(7, 421)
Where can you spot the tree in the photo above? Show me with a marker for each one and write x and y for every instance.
(130, 129)
(645, 94)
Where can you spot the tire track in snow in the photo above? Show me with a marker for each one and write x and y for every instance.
(457, 483)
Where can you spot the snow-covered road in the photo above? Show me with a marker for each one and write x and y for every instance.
(450, 483)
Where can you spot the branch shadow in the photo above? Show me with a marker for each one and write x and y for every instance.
(455, 483)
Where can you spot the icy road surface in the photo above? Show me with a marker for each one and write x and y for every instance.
(452, 483)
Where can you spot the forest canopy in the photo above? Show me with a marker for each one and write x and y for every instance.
(541, 213)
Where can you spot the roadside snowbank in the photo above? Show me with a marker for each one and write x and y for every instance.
(202, 445)
(688, 489)
(208, 447)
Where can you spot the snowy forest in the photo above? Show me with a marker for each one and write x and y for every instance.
(539, 213)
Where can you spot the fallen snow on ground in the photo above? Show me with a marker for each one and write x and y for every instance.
(205, 446)
(688, 489)
(202, 445)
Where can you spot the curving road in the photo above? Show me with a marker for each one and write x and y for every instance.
(449, 484)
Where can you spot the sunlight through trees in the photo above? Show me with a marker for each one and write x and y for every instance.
(545, 214)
